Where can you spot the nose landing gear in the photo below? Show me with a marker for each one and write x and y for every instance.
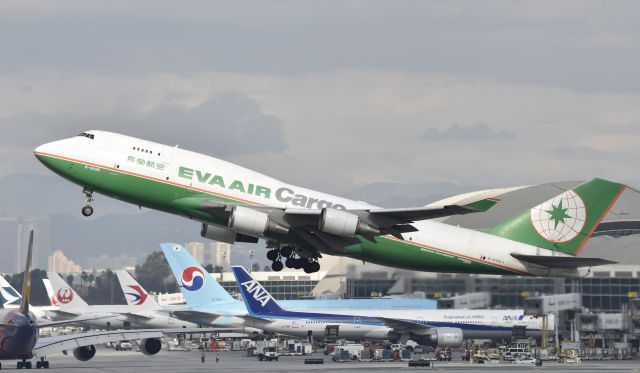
(87, 210)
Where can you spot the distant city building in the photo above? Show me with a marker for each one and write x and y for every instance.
(222, 254)
(59, 263)
(112, 262)
(196, 249)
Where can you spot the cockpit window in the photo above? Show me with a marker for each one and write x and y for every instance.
(89, 135)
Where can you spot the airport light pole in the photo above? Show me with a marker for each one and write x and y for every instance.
(251, 255)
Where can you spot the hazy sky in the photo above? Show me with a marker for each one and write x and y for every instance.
(334, 95)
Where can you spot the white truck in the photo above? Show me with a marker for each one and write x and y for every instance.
(267, 350)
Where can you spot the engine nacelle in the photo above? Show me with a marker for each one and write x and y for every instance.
(84, 353)
(217, 233)
(343, 223)
(249, 221)
(150, 346)
(447, 337)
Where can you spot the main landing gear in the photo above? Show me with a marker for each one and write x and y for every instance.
(87, 210)
(43, 363)
(24, 364)
(290, 260)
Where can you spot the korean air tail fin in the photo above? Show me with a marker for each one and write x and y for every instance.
(565, 222)
(256, 298)
(137, 297)
(64, 294)
(198, 287)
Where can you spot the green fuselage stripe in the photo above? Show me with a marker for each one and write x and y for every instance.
(184, 200)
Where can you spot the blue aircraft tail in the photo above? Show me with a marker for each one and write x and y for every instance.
(198, 287)
(256, 298)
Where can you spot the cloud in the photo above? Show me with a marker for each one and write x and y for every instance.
(478, 131)
(224, 125)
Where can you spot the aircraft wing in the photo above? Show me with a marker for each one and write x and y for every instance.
(301, 223)
(47, 323)
(50, 345)
(553, 261)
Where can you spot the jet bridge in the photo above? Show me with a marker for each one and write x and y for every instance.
(466, 301)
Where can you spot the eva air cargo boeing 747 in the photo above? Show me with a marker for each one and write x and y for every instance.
(237, 204)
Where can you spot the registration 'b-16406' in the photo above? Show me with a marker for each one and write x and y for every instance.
(233, 203)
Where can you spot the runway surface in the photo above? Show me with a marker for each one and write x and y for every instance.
(231, 361)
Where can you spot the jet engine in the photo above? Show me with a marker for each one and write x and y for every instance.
(343, 223)
(447, 337)
(249, 221)
(150, 346)
(217, 233)
(84, 353)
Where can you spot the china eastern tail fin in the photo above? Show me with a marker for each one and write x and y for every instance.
(136, 296)
(257, 299)
(198, 287)
(565, 222)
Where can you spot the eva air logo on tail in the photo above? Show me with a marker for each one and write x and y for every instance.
(560, 219)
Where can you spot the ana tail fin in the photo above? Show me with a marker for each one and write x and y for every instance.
(256, 298)
(567, 221)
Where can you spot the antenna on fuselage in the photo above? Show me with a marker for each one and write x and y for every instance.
(26, 280)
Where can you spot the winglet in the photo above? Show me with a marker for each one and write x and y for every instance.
(256, 298)
(483, 204)
(26, 282)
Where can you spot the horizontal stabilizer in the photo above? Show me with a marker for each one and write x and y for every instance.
(554, 261)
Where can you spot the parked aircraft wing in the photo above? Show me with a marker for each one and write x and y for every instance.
(556, 261)
(49, 345)
(80, 319)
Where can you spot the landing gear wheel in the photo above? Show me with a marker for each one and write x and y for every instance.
(301, 263)
(87, 210)
(277, 266)
(27, 365)
(272, 255)
(38, 365)
(286, 251)
(19, 365)
(315, 267)
(46, 365)
(290, 262)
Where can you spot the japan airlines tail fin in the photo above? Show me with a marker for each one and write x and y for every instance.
(565, 222)
(66, 297)
(50, 294)
(198, 287)
(136, 296)
(257, 299)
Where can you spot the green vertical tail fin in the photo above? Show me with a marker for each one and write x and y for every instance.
(565, 222)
